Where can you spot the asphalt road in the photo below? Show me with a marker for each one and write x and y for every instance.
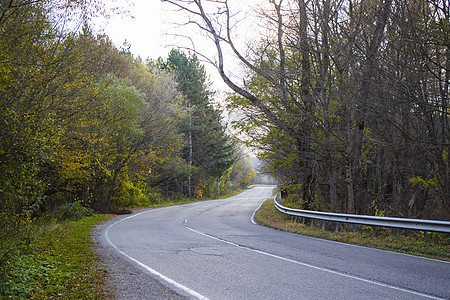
(213, 250)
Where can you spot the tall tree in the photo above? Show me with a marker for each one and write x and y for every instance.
(339, 96)
(208, 149)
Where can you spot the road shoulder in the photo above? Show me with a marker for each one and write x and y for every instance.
(124, 279)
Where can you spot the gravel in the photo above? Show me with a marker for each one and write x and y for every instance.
(124, 278)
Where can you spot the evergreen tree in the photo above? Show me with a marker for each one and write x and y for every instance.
(208, 149)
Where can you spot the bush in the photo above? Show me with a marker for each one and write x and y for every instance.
(72, 211)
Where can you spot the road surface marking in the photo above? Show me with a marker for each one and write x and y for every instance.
(312, 266)
(152, 271)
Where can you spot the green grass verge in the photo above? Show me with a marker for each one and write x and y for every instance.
(436, 246)
(61, 264)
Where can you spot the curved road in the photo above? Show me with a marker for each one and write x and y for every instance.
(213, 250)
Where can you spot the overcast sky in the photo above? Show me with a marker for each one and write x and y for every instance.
(150, 30)
(146, 30)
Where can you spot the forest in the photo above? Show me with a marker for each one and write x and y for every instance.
(86, 125)
(346, 101)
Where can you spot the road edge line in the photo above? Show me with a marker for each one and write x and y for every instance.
(314, 267)
(152, 271)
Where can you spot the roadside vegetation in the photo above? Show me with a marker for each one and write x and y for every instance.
(56, 259)
(347, 102)
(88, 128)
(435, 246)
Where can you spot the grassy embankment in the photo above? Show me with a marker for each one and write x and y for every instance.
(435, 246)
(59, 262)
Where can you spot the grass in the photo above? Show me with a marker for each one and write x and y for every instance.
(61, 264)
(436, 246)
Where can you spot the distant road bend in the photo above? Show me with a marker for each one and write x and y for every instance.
(213, 250)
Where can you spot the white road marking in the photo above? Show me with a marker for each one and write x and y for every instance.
(254, 213)
(312, 266)
(152, 271)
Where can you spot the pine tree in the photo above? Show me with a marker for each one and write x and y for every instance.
(209, 150)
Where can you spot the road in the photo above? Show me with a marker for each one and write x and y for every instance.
(213, 250)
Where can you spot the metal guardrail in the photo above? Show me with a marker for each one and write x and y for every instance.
(414, 224)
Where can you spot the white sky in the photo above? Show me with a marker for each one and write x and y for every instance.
(150, 32)
(145, 30)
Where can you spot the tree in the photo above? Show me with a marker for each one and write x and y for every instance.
(209, 150)
(37, 54)
(340, 96)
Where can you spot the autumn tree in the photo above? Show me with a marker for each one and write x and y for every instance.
(36, 78)
(339, 97)
(80, 121)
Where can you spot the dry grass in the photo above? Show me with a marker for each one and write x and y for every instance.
(435, 246)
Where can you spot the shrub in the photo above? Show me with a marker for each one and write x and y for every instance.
(72, 211)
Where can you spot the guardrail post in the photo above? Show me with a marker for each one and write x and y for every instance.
(295, 219)
(400, 224)
(323, 225)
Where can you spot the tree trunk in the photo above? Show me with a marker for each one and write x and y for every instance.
(358, 110)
